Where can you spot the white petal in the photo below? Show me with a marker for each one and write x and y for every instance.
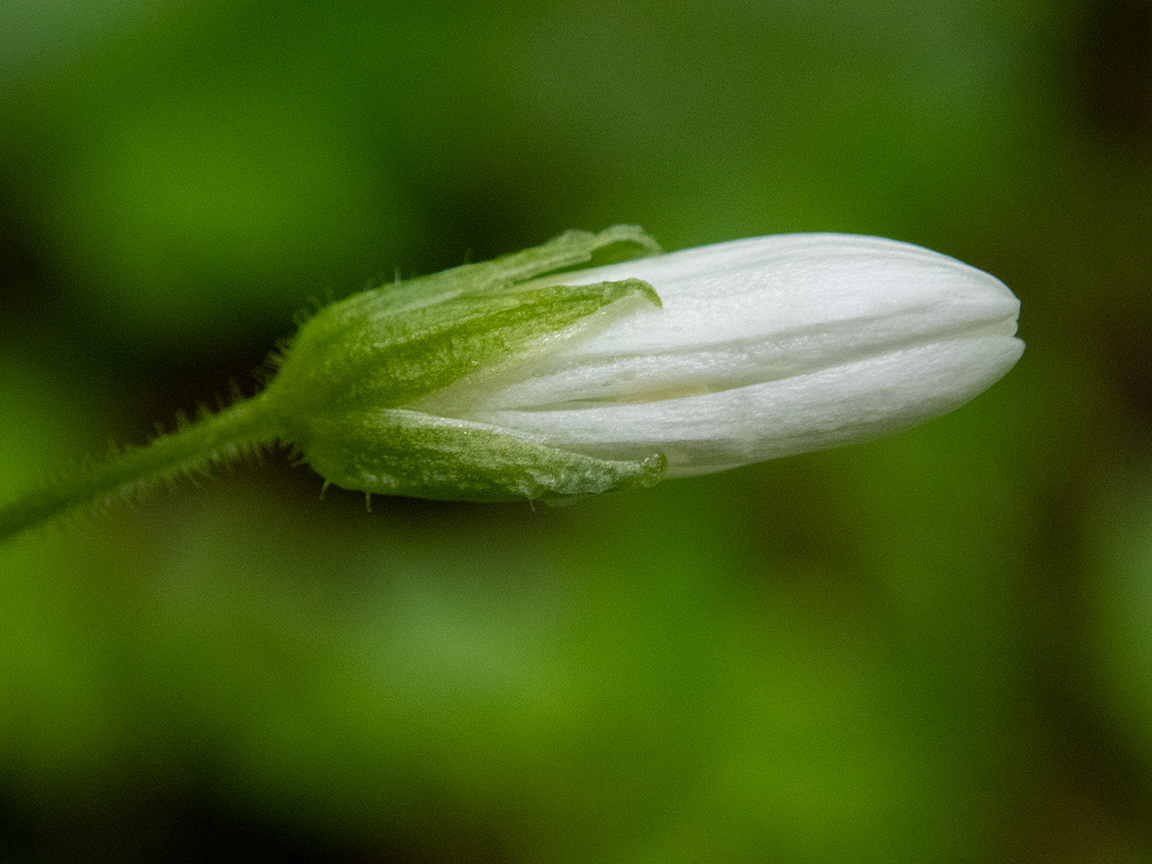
(760, 309)
(788, 282)
(833, 406)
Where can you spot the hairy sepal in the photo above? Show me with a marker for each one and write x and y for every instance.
(400, 452)
(570, 249)
(372, 360)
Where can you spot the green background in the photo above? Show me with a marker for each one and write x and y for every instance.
(935, 647)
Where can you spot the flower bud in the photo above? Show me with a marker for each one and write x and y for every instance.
(491, 382)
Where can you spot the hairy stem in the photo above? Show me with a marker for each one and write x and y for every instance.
(215, 439)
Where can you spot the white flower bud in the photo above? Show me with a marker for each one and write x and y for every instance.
(494, 381)
(764, 347)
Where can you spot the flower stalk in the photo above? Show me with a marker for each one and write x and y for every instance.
(215, 439)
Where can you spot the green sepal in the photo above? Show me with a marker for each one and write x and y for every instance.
(401, 452)
(569, 250)
(370, 362)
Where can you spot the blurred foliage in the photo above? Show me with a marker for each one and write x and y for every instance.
(932, 648)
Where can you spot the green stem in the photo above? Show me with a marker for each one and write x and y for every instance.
(217, 438)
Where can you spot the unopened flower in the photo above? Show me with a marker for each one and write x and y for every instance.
(505, 380)
(580, 383)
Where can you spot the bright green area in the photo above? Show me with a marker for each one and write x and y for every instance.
(934, 648)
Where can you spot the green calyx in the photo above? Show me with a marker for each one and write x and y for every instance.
(345, 385)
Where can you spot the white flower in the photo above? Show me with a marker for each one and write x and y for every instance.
(764, 347)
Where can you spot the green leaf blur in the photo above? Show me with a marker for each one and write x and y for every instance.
(932, 648)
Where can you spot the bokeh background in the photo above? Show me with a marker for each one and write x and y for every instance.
(932, 648)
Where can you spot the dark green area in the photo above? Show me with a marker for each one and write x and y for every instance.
(935, 648)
